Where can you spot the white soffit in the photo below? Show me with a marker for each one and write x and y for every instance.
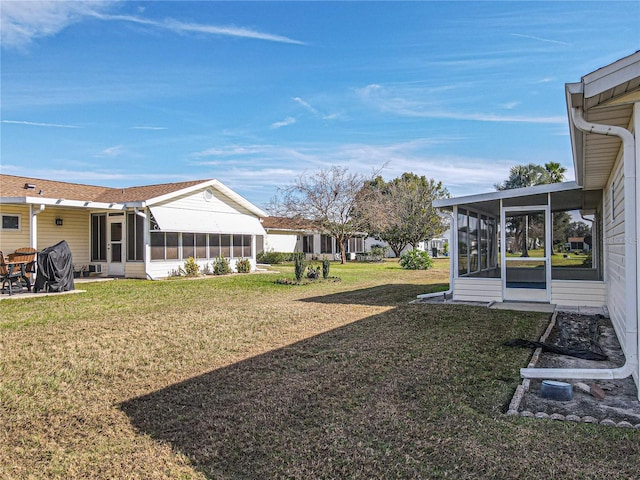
(180, 220)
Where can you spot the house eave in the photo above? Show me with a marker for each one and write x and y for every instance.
(61, 202)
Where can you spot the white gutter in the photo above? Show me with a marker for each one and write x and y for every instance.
(451, 265)
(631, 272)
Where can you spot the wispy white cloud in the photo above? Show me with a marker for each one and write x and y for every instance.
(115, 151)
(147, 127)
(305, 104)
(393, 101)
(252, 165)
(284, 123)
(510, 105)
(97, 176)
(540, 39)
(22, 22)
(39, 124)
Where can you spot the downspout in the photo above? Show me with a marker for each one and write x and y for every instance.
(631, 274)
(33, 230)
(451, 266)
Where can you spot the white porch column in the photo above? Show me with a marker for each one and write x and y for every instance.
(33, 225)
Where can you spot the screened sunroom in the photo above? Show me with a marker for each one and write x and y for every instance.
(504, 249)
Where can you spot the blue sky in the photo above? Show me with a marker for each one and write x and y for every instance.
(254, 94)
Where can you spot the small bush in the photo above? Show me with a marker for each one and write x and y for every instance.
(378, 252)
(416, 260)
(243, 265)
(221, 266)
(273, 257)
(326, 264)
(300, 264)
(206, 269)
(191, 268)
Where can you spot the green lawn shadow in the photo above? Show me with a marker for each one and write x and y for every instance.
(360, 399)
(382, 295)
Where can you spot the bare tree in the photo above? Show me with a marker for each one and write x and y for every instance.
(329, 199)
(402, 213)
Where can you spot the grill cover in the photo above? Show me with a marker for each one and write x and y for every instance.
(55, 269)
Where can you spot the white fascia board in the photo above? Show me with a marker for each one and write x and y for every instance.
(612, 75)
(575, 98)
(218, 186)
(61, 202)
(512, 193)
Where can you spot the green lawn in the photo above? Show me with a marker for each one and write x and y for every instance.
(239, 377)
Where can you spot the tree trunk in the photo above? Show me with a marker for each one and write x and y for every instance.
(343, 254)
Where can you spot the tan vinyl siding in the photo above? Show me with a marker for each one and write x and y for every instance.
(134, 270)
(75, 230)
(471, 289)
(10, 240)
(578, 293)
(614, 247)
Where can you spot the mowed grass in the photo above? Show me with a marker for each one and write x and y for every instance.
(239, 377)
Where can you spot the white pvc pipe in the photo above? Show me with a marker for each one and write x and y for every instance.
(631, 272)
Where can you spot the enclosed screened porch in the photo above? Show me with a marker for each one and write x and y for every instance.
(507, 246)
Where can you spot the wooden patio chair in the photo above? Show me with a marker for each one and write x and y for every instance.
(10, 273)
(27, 255)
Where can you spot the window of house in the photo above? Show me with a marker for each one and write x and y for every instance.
(135, 237)
(10, 222)
(307, 243)
(225, 246)
(201, 245)
(325, 244)
(214, 245)
(355, 245)
(164, 246)
(463, 243)
(99, 237)
(188, 245)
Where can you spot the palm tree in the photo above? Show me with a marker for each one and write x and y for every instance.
(555, 172)
(521, 176)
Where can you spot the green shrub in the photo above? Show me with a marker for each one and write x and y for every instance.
(191, 268)
(243, 265)
(221, 266)
(378, 252)
(300, 264)
(272, 257)
(326, 264)
(416, 260)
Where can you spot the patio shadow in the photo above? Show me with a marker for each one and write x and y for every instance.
(391, 294)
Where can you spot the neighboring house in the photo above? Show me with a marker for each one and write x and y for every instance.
(136, 232)
(576, 243)
(291, 235)
(436, 243)
(604, 119)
